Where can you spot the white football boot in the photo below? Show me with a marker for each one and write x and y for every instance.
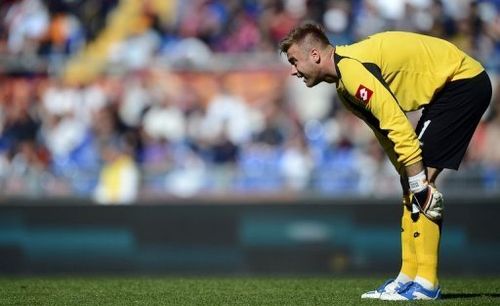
(390, 286)
(410, 292)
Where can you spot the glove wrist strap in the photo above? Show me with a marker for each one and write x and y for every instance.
(418, 182)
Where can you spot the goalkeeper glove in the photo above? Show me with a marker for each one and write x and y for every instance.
(430, 202)
(425, 197)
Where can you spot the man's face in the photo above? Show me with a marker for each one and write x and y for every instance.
(304, 64)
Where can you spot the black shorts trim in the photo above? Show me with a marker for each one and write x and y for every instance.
(448, 123)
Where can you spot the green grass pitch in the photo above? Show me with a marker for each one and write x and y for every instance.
(224, 291)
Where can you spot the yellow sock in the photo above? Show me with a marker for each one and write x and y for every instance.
(408, 253)
(427, 236)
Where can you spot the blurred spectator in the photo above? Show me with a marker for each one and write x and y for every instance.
(137, 50)
(165, 121)
(296, 165)
(244, 35)
(224, 155)
(119, 177)
(313, 104)
(228, 113)
(136, 98)
(26, 22)
(369, 20)
(65, 35)
(337, 21)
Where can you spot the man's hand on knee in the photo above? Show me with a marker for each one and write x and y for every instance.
(430, 202)
(426, 197)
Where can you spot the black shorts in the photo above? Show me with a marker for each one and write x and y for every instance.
(449, 121)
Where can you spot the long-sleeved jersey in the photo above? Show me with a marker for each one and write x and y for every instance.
(390, 73)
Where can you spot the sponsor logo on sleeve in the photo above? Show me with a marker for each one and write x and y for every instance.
(364, 93)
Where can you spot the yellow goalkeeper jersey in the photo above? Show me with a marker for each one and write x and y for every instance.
(390, 73)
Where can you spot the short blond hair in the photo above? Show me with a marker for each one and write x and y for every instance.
(309, 30)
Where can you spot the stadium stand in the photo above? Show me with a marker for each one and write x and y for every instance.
(194, 95)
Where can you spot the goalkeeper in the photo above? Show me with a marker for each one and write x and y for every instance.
(379, 79)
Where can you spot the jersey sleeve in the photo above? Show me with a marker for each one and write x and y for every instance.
(370, 95)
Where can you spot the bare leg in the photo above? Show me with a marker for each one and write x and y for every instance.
(432, 174)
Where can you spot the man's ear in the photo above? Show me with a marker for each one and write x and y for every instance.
(315, 55)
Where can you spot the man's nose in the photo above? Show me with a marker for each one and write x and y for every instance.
(293, 71)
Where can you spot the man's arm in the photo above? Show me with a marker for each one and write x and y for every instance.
(373, 99)
(414, 169)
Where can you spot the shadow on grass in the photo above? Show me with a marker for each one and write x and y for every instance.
(449, 296)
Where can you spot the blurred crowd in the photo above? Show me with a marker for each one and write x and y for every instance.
(151, 131)
(65, 26)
